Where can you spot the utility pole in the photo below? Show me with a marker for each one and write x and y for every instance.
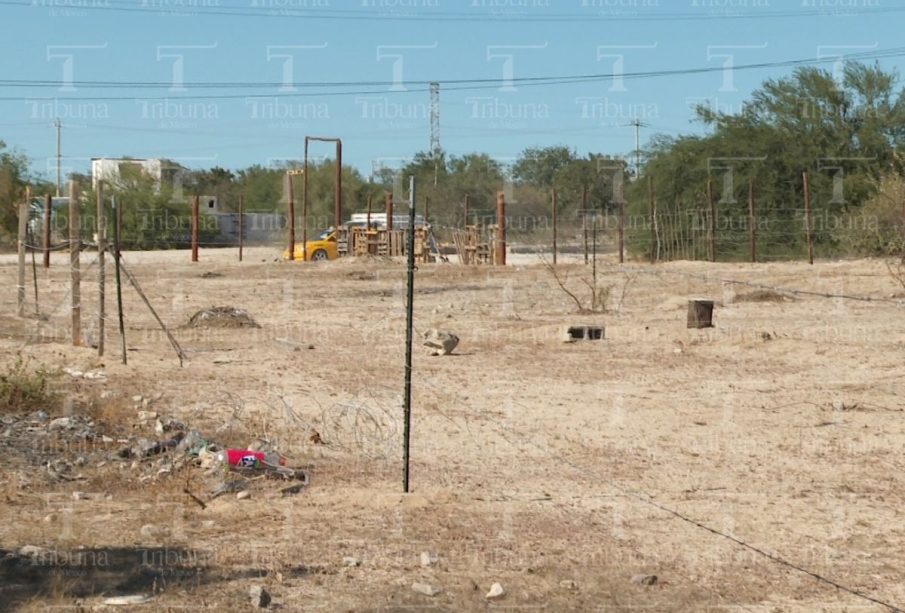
(638, 124)
(59, 127)
(435, 128)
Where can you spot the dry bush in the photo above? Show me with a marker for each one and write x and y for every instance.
(23, 388)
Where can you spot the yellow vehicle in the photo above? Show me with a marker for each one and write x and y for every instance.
(321, 248)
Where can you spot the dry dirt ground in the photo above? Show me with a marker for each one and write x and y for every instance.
(558, 470)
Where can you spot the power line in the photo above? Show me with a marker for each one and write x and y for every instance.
(473, 16)
(448, 85)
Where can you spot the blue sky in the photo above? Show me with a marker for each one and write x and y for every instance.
(175, 46)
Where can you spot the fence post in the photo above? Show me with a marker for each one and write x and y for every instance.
(752, 221)
(241, 224)
(101, 272)
(388, 202)
(75, 297)
(23, 233)
(653, 214)
(584, 220)
(195, 213)
(553, 204)
(711, 239)
(807, 215)
(48, 207)
(500, 229)
(117, 233)
(621, 193)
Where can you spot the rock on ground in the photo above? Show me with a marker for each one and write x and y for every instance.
(441, 342)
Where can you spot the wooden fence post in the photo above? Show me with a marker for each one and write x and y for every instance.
(101, 272)
(500, 229)
(807, 215)
(752, 221)
(23, 233)
(75, 247)
(241, 224)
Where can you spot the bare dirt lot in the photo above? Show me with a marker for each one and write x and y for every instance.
(560, 471)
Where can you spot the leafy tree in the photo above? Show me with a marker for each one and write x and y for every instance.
(844, 134)
(13, 178)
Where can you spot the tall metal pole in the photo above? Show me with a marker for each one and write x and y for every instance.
(807, 215)
(370, 202)
(117, 229)
(466, 210)
(58, 126)
(101, 269)
(409, 323)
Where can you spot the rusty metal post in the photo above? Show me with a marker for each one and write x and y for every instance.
(304, 204)
(75, 246)
(370, 200)
(241, 224)
(338, 213)
(553, 208)
(500, 229)
(752, 221)
(195, 215)
(466, 210)
(711, 239)
(338, 207)
(23, 233)
(291, 196)
(101, 269)
(807, 215)
(388, 201)
(48, 213)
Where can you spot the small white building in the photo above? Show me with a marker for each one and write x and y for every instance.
(110, 170)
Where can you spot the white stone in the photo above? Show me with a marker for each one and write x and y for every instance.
(428, 558)
(425, 588)
(496, 591)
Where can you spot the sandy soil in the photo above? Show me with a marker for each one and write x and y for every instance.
(548, 467)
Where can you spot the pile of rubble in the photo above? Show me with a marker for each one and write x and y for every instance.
(71, 448)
